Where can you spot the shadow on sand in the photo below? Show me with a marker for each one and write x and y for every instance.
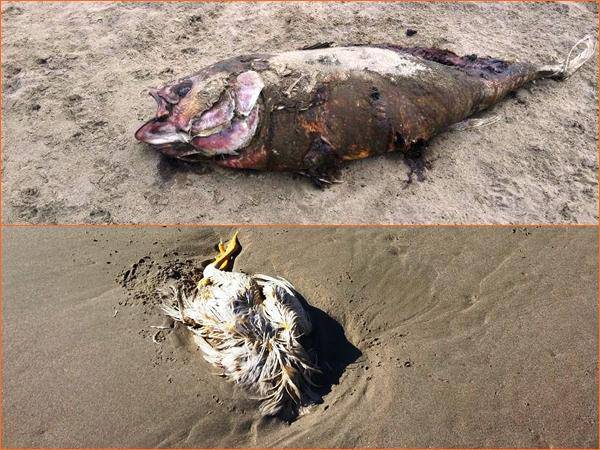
(333, 352)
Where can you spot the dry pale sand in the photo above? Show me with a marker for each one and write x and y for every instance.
(75, 83)
(443, 337)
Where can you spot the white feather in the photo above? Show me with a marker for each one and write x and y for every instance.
(249, 327)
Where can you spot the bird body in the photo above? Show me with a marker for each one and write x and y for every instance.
(250, 327)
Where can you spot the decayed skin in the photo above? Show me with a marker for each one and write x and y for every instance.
(309, 110)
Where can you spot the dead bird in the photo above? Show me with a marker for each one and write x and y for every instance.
(310, 110)
(251, 328)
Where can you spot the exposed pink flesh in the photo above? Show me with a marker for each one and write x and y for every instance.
(238, 135)
(248, 86)
(220, 114)
(161, 103)
(167, 93)
(247, 160)
(157, 133)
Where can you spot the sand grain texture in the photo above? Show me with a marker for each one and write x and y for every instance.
(75, 89)
(468, 338)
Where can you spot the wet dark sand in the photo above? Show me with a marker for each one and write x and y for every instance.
(467, 337)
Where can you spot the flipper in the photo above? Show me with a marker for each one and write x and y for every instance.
(469, 124)
(322, 163)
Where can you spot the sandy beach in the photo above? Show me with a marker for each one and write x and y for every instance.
(448, 337)
(76, 78)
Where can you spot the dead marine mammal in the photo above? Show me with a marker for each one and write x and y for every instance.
(310, 110)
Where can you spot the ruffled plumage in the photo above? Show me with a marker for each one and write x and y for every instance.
(250, 328)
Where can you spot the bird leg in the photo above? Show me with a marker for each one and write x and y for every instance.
(227, 254)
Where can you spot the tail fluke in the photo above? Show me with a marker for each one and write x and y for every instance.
(572, 62)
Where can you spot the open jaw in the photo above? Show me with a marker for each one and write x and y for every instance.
(234, 137)
(226, 128)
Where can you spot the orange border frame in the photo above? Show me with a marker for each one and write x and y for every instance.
(263, 225)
